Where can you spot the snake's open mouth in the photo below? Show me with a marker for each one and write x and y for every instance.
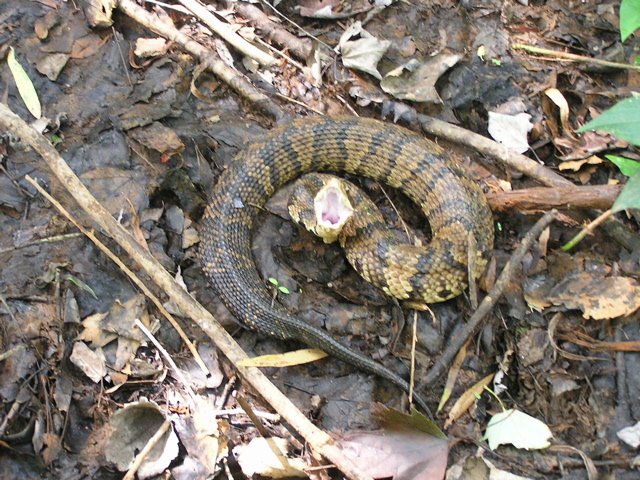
(332, 208)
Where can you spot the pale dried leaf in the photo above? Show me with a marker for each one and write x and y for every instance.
(364, 53)
(630, 435)
(150, 47)
(132, 427)
(288, 359)
(506, 428)
(556, 97)
(416, 81)
(468, 398)
(91, 363)
(510, 130)
(25, 87)
(258, 457)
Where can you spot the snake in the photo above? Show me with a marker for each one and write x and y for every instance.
(453, 204)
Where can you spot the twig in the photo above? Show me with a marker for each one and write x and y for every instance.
(301, 48)
(404, 225)
(40, 241)
(551, 334)
(572, 57)
(586, 230)
(10, 352)
(290, 60)
(134, 278)
(489, 301)
(318, 440)
(9, 311)
(299, 103)
(306, 32)
(226, 32)
(167, 357)
(236, 81)
(230, 412)
(130, 475)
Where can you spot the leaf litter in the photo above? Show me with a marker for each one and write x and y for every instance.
(125, 138)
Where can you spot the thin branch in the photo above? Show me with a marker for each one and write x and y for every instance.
(587, 230)
(523, 164)
(572, 57)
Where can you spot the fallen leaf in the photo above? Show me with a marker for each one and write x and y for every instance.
(416, 81)
(52, 65)
(630, 435)
(268, 457)
(92, 363)
(200, 435)
(150, 47)
(25, 87)
(510, 130)
(497, 474)
(507, 427)
(88, 45)
(159, 138)
(288, 359)
(401, 454)
(468, 398)
(556, 97)
(597, 296)
(575, 165)
(364, 53)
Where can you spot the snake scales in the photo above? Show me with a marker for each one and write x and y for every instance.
(453, 205)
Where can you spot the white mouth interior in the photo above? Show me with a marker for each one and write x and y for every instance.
(332, 207)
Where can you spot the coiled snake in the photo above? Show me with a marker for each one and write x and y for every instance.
(453, 204)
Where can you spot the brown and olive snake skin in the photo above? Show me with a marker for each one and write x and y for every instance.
(454, 205)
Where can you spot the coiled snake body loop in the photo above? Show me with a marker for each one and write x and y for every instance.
(453, 204)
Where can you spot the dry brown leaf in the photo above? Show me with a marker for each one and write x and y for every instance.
(397, 454)
(86, 46)
(597, 296)
(467, 399)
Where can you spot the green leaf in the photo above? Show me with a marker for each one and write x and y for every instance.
(627, 166)
(629, 196)
(622, 120)
(25, 88)
(273, 281)
(79, 283)
(284, 290)
(629, 18)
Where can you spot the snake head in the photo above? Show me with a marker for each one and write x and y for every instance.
(320, 203)
(332, 209)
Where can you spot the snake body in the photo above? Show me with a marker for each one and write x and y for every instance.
(454, 206)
